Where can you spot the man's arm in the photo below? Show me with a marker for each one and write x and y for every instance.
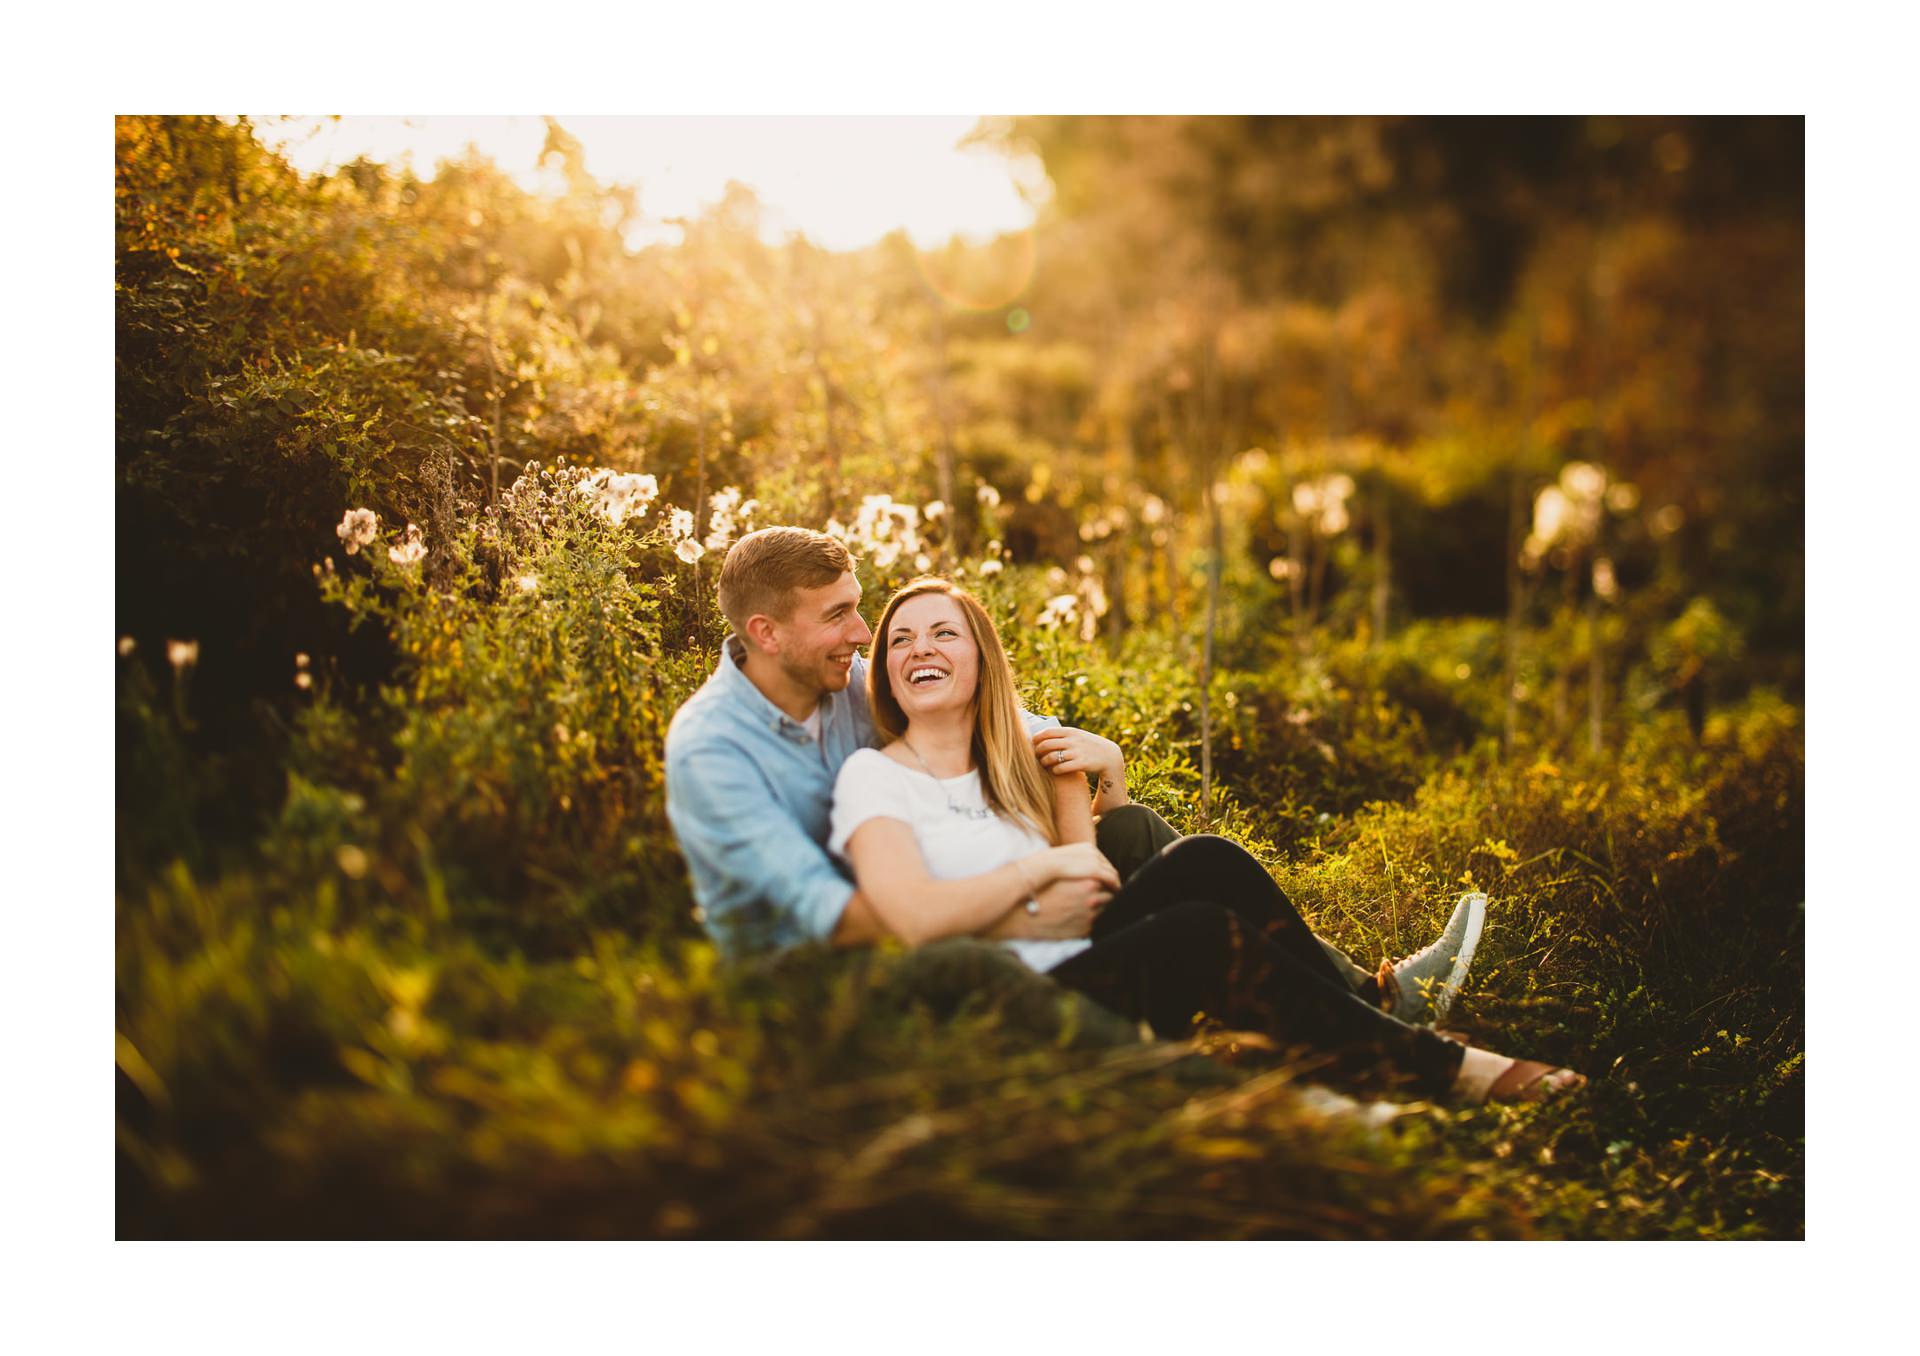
(745, 850)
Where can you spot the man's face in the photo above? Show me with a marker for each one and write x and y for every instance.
(820, 635)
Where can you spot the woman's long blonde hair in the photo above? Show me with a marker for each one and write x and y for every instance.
(1011, 779)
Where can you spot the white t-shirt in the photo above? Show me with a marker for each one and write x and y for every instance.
(954, 845)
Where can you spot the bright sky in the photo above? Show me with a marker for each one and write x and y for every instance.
(844, 182)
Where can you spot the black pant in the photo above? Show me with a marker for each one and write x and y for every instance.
(1201, 930)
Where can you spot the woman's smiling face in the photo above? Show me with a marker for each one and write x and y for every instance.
(933, 662)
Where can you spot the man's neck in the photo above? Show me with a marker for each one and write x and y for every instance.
(779, 688)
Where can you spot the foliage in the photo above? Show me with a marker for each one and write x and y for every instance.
(421, 489)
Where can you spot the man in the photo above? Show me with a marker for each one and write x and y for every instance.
(752, 757)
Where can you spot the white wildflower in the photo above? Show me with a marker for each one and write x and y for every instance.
(934, 511)
(988, 495)
(1583, 480)
(302, 660)
(1280, 568)
(689, 550)
(1552, 515)
(183, 654)
(1060, 609)
(680, 524)
(1605, 584)
(1154, 510)
(357, 529)
(527, 583)
(125, 647)
(303, 680)
(622, 495)
(411, 550)
(991, 566)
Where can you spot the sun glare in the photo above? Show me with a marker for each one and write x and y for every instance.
(844, 182)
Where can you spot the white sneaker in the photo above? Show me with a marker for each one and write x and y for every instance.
(1426, 983)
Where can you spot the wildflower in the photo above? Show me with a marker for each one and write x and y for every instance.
(622, 495)
(125, 647)
(303, 680)
(923, 562)
(302, 660)
(183, 654)
(527, 583)
(352, 861)
(1583, 480)
(1552, 515)
(357, 529)
(1093, 600)
(1605, 584)
(680, 523)
(934, 511)
(988, 495)
(1084, 564)
(689, 550)
(1280, 568)
(1154, 510)
(411, 550)
(1323, 503)
(990, 566)
(1060, 609)
(722, 511)
(1623, 497)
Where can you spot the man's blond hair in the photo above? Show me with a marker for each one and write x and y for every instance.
(765, 568)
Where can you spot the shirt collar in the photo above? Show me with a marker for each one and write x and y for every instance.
(752, 700)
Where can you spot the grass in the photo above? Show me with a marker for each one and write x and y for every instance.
(287, 1071)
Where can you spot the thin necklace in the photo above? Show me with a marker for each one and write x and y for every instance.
(966, 811)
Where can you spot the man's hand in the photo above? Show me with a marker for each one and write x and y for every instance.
(1067, 751)
(1067, 909)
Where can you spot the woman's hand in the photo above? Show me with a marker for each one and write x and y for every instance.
(1070, 861)
(1067, 909)
(1066, 751)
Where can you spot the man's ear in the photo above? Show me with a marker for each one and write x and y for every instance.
(762, 633)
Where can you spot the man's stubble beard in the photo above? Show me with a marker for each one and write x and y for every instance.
(809, 678)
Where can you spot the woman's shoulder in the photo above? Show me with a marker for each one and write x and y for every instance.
(869, 765)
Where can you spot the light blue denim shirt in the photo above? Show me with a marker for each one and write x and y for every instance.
(749, 791)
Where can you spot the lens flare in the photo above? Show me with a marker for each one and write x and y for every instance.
(969, 276)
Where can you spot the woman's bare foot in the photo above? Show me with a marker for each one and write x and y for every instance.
(1487, 1077)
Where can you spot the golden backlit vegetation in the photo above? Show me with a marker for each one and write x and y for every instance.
(1417, 502)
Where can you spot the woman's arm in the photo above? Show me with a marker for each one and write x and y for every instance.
(1072, 811)
(917, 908)
(1089, 755)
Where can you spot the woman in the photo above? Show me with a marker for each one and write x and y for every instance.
(955, 827)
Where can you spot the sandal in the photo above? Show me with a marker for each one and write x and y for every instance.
(1487, 1077)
